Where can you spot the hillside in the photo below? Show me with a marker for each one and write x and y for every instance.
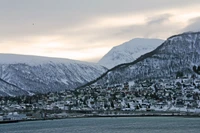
(42, 74)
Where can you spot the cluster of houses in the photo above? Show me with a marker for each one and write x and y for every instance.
(181, 94)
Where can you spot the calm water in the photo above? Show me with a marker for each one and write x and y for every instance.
(107, 125)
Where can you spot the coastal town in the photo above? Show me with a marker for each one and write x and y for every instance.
(177, 95)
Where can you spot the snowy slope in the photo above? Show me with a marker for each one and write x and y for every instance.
(7, 89)
(179, 53)
(35, 60)
(43, 74)
(129, 51)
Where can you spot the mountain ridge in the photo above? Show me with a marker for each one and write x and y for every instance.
(40, 74)
(151, 54)
(34, 59)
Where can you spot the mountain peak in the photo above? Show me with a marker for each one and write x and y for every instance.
(129, 51)
(178, 54)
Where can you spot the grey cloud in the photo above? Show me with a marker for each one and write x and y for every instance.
(50, 16)
(154, 27)
(90, 6)
(194, 25)
(158, 19)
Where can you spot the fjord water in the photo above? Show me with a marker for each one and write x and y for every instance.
(107, 125)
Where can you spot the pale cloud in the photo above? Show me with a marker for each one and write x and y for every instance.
(87, 29)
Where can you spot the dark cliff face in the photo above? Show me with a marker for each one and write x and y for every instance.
(179, 53)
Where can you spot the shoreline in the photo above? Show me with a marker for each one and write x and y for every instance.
(106, 115)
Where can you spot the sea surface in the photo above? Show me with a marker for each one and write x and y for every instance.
(107, 125)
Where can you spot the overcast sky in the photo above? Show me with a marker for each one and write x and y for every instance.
(88, 29)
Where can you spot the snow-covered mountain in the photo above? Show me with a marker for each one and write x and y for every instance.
(129, 51)
(178, 54)
(43, 74)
